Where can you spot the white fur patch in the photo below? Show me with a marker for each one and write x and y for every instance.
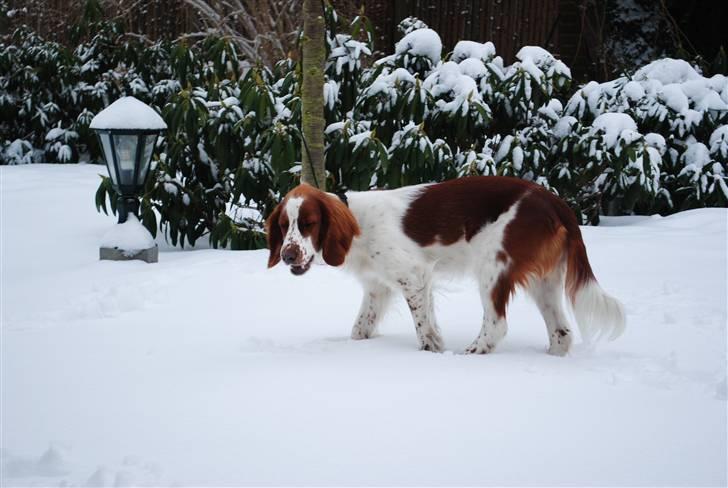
(598, 314)
(293, 236)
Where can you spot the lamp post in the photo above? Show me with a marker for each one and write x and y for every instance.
(127, 131)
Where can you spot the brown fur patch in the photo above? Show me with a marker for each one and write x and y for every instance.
(337, 231)
(447, 212)
(535, 240)
(274, 235)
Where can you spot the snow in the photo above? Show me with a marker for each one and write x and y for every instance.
(656, 141)
(655, 90)
(19, 152)
(65, 153)
(346, 51)
(564, 126)
(552, 109)
(473, 50)
(331, 94)
(448, 80)
(473, 68)
(534, 59)
(536, 54)
(230, 101)
(128, 113)
(634, 91)
(695, 157)
(55, 133)
(719, 141)
(504, 148)
(387, 82)
(711, 101)
(333, 127)
(358, 139)
(674, 97)
(517, 155)
(421, 42)
(615, 126)
(130, 236)
(534, 72)
(666, 71)
(208, 369)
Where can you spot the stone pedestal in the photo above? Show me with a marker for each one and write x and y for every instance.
(150, 255)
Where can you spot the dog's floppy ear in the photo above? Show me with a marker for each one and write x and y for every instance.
(274, 235)
(337, 230)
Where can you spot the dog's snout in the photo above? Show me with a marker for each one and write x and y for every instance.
(290, 254)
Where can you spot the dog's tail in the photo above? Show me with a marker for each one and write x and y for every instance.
(597, 313)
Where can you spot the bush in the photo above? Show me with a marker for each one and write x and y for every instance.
(653, 141)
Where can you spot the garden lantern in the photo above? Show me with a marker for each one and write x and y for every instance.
(127, 131)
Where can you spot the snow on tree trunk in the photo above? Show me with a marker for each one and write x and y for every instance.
(312, 94)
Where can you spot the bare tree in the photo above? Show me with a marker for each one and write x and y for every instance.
(263, 29)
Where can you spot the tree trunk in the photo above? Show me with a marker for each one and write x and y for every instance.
(313, 171)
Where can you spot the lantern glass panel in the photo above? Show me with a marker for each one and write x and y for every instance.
(126, 152)
(149, 141)
(106, 144)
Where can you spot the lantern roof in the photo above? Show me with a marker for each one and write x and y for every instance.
(128, 113)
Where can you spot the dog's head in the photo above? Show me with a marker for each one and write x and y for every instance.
(307, 222)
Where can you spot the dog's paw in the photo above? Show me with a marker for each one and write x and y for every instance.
(560, 342)
(558, 349)
(359, 333)
(480, 347)
(432, 342)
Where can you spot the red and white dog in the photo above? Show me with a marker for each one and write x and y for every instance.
(505, 231)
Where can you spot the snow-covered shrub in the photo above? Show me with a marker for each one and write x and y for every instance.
(60, 145)
(652, 141)
(18, 152)
(418, 51)
(677, 110)
(414, 158)
(485, 118)
(459, 110)
(46, 88)
(518, 90)
(230, 143)
(354, 153)
(346, 51)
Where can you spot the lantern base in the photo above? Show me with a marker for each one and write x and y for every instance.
(150, 255)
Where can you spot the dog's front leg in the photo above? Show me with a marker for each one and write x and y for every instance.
(418, 293)
(373, 306)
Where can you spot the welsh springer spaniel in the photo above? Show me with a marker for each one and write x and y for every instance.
(505, 231)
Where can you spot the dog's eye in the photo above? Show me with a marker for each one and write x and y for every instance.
(284, 226)
(308, 225)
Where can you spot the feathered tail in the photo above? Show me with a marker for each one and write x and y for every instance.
(597, 313)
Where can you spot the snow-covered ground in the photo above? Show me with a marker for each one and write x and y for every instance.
(209, 369)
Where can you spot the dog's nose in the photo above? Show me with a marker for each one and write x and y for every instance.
(290, 255)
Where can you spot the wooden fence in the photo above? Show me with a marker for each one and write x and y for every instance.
(155, 19)
(556, 25)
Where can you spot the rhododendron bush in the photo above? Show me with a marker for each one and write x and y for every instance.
(652, 141)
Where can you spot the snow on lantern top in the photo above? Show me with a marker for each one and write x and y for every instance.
(128, 113)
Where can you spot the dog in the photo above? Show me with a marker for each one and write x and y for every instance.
(505, 231)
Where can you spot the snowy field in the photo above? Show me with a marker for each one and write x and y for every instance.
(209, 369)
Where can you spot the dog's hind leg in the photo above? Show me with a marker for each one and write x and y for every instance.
(373, 306)
(548, 293)
(494, 327)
